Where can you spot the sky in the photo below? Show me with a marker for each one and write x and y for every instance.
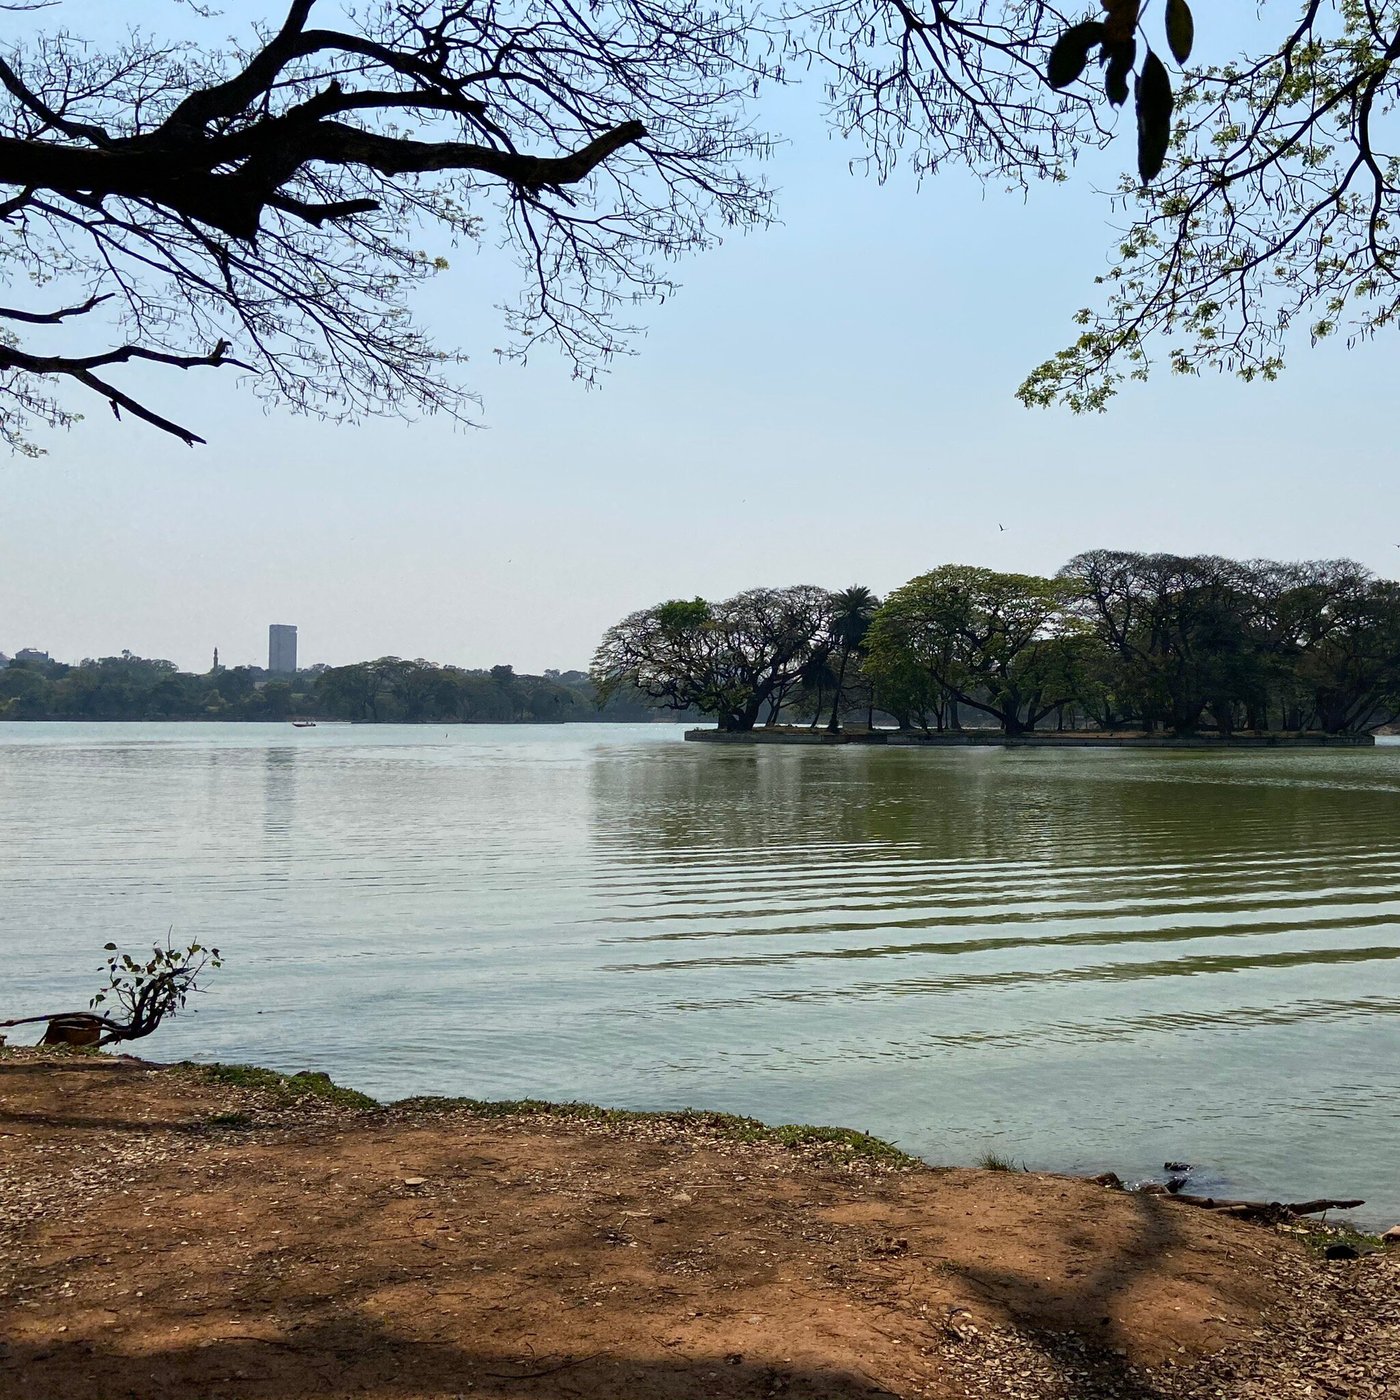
(830, 400)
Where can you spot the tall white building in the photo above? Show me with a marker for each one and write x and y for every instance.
(282, 649)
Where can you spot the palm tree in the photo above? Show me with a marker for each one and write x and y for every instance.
(816, 676)
(852, 610)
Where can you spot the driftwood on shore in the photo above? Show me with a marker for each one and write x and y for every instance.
(72, 1028)
(1242, 1210)
(1253, 1210)
(1259, 1210)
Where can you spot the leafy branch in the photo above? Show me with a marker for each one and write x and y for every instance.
(142, 993)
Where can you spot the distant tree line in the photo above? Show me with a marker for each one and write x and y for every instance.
(389, 689)
(1114, 641)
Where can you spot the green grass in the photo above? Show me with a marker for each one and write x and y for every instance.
(229, 1120)
(1317, 1236)
(838, 1144)
(995, 1162)
(832, 1144)
(285, 1087)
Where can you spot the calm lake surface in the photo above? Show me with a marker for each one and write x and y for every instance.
(1080, 960)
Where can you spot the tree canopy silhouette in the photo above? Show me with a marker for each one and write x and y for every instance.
(263, 207)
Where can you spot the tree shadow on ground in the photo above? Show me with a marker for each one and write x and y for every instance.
(45, 1068)
(77, 1121)
(41, 1062)
(1096, 1360)
(359, 1357)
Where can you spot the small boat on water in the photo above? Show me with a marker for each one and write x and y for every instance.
(303, 724)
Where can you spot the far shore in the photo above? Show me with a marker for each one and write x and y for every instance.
(286, 721)
(1048, 739)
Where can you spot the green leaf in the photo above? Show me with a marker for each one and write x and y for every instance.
(1121, 58)
(1071, 52)
(109, 947)
(1154, 117)
(1181, 29)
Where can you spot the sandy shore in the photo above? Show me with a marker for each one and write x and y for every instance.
(177, 1231)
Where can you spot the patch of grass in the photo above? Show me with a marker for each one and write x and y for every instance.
(831, 1144)
(508, 1108)
(229, 1120)
(853, 1143)
(995, 1162)
(836, 1144)
(1317, 1235)
(285, 1087)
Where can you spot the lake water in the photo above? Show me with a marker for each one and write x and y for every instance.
(1079, 960)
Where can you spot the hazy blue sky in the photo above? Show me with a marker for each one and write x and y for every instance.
(828, 401)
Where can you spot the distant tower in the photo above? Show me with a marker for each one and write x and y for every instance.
(282, 649)
(215, 668)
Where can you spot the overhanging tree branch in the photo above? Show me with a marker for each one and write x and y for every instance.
(278, 198)
(52, 318)
(81, 371)
(281, 195)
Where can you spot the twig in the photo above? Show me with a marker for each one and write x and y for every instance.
(547, 1371)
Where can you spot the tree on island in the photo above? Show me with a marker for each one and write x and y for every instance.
(265, 208)
(852, 611)
(1179, 629)
(987, 640)
(729, 659)
(1316, 641)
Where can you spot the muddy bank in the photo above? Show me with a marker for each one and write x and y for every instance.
(174, 1230)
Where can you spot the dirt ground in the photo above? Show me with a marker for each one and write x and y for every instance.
(163, 1234)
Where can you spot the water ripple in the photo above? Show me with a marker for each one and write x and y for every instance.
(1086, 959)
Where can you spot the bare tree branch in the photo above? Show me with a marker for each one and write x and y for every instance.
(278, 198)
(51, 318)
(80, 370)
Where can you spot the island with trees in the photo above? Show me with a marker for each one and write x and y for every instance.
(1115, 647)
